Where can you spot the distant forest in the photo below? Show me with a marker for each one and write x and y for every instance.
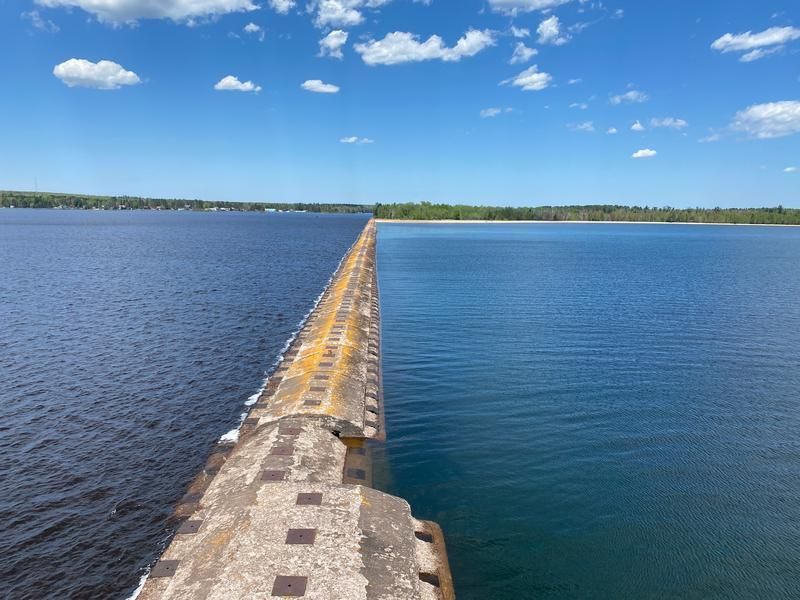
(81, 201)
(427, 211)
(421, 211)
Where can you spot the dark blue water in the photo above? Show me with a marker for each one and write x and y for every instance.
(128, 344)
(598, 411)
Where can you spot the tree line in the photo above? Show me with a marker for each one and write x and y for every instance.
(605, 212)
(422, 210)
(82, 201)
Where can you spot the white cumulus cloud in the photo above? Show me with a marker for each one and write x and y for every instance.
(230, 83)
(102, 75)
(612, 131)
(770, 120)
(637, 126)
(631, 97)
(790, 170)
(332, 44)
(530, 80)
(669, 123)
(402, 47)
(512, 7)
(756, 45)
(644, 153)
(319, 87)
(549, 32)
(130, 11)
(522, 54)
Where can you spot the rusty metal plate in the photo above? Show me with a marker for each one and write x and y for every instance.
(251, 421)
(425, 537)
(301, 536)
(322, 376)
(289, 431)
(282, 450)
(325, 364)
(319, 389)
(289, 586)
(312, 402)
(309, 499)
(273, 475)
(190, 526)
(165, 568)
(357, 474)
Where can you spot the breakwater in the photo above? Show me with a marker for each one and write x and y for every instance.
(288, 511)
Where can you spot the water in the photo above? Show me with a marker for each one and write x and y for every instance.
(598, 411)
(128, 344)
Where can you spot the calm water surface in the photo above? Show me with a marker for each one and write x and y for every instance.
(598, 411)
(128, 344)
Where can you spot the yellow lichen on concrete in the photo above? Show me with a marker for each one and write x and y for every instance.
(327, 372)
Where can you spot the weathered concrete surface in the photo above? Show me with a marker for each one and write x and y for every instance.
(287, 512)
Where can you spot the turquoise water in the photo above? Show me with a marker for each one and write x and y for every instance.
(598, 411)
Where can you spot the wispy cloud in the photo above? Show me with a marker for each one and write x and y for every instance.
(489, 113)
(756, 45)
(354, 139)
(585, 127)
(629, 97)
(669, 123)
(39, 22)
(522, 54)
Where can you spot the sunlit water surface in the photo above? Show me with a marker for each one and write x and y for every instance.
(598, 411)
(128, 344)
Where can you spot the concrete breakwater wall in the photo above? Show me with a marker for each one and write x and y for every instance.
(288, 511)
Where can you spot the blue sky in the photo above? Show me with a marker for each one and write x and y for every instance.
(510, 103)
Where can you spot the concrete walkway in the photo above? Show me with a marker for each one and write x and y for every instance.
(288, 511)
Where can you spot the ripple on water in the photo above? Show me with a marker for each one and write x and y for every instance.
(130, 342)
(598, 411)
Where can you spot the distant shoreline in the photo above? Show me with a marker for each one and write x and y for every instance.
(543, 222)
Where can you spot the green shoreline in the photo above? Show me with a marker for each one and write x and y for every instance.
(425, 212)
